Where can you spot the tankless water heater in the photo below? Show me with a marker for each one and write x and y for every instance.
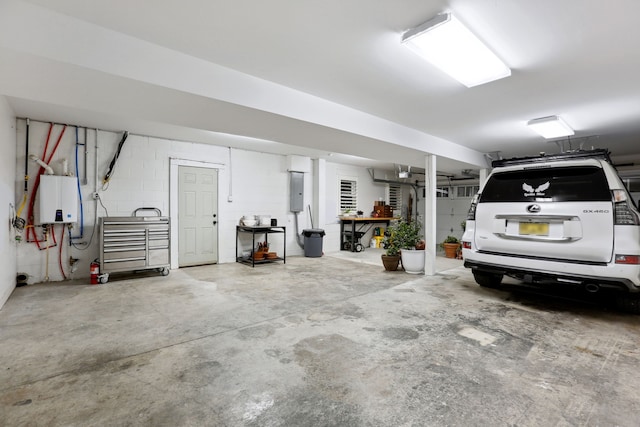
(58, 199)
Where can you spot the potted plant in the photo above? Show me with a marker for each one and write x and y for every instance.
(409, 238)
(451, 245)
(391, 257)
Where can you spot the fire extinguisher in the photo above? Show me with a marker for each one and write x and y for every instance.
(94, 269)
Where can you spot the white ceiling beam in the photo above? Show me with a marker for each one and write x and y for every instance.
(276, 112)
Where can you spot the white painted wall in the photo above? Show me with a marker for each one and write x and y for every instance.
(368, 193)
(258, 183)
(7, 198)
(259, 186)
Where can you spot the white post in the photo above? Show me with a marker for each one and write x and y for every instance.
(319, 193)
(430, 215)
(484, 173)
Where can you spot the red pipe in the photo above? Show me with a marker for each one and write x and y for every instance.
(32, 198)
(36, 185)
(46, 145)
(56, 146)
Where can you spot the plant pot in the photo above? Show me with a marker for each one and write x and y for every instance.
(390, 262)
(413, 261)
(450, 249)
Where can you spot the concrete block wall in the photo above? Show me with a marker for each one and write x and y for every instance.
(258, 184)
(141, 178)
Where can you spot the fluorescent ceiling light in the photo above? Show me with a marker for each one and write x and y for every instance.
(551, 127)
(450, 46)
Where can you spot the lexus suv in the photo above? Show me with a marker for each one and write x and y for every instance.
(562, 219)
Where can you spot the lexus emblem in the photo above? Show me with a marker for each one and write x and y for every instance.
(533, 208)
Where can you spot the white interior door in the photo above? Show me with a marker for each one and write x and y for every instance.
(197, 216)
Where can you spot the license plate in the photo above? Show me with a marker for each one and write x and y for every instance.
(534, 228)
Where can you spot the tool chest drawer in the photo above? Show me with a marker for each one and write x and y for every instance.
(134, 243)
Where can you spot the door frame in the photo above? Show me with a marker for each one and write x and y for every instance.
(174, 164)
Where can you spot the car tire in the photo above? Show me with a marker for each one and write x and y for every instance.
(628, 303)
(487, 280)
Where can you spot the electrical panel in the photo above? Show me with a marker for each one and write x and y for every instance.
(58, 199)
(296, 184)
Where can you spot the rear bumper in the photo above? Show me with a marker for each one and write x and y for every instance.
(565, 274)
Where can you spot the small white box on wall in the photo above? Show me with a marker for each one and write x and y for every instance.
(58, 199)
(298, 164)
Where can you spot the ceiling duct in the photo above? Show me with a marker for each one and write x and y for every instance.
(388, 177)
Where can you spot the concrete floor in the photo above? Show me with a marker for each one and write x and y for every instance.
(315, 342)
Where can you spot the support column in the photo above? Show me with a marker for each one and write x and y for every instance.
(319, 193)
(430, 214)
(484, 173)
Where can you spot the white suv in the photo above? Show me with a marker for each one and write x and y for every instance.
(556, 219)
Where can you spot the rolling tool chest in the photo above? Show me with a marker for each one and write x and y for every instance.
(134, 243)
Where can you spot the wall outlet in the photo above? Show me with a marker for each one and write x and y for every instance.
(95, 196)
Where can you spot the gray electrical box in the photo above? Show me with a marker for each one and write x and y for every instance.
(296, 186)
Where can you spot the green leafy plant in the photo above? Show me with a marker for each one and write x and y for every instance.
(451, 239)
(390, 246)
(406, 235)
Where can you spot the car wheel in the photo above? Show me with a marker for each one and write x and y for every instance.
(487, 280)
(628, 303)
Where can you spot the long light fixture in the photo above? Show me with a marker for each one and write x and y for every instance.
(551, 127)
(450, 46)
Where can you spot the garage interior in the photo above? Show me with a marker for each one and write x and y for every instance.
(130, 98)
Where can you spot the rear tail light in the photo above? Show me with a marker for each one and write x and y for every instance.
(466, 245)
(471, 215)
(625, 212)
(628, 259)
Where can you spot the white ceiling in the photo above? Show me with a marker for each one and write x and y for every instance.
(320, 77)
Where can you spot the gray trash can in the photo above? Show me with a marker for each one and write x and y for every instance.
(313, 242)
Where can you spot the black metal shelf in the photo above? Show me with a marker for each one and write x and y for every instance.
(259, 230)
(250, 261)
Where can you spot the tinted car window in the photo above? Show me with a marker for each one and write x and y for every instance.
(586, 183)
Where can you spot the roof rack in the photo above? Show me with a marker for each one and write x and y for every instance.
(600, 153)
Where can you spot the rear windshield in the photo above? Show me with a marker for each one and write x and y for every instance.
(570, 184)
